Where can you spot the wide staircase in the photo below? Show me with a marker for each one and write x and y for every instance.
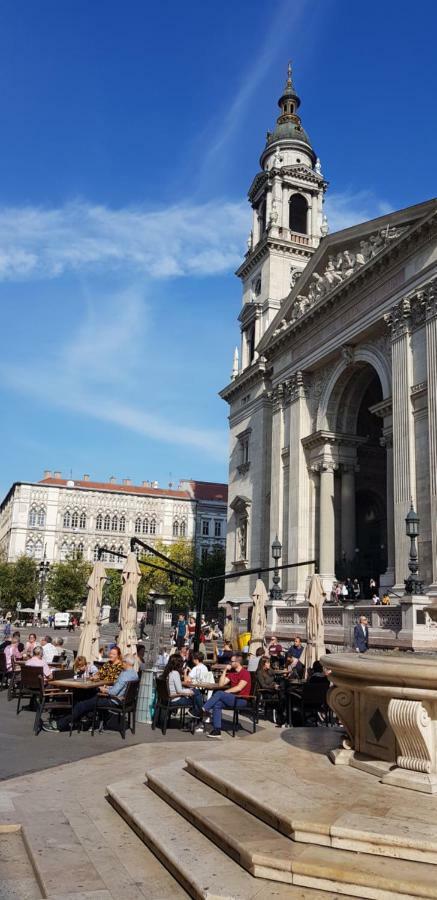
(242, 823)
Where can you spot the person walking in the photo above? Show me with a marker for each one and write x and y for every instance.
(181, 631)
(361, 635)
(142, 626)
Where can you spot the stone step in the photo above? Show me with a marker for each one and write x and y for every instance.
(266, 853)
(302, 815)
(205, 872)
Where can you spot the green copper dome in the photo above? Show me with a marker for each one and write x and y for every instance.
(288, 125)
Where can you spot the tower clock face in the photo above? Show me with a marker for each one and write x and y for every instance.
(257, 287)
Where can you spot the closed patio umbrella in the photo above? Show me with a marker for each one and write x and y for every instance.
(259, 617)
(131, 576)
(315, 646)
(89, 639)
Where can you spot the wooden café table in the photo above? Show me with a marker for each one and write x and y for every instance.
(76, 684)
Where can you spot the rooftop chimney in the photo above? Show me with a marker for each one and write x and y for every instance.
(127, 481)
(155, 484)
(47, 473)
(145, 483)
(86, 478)
(57, 474)
(112, 480)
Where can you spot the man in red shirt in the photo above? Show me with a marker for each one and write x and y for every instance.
(238, 681)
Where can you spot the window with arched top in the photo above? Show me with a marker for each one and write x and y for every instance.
(153, 526)
(41, 518)
(298, 214)
(114, 523)
(32, 517)
(104, 556)
(183, 529)
(79, 551)
(262, 218)
(121, 550)
(67, 519)
(175, 529)
(82, 520)
(96, 552)
(30, 548)
(138, 525)
(122, 524)
(38, 550)
(99, 522)
(107, 522)
(145, 526)
(75, 519)
(64, 552)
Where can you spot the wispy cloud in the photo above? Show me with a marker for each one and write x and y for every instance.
(98, 370)
(351, 207)
(282, 24)
(181, 240)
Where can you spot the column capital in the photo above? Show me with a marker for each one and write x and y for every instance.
(431, 300)
(398, 320)
(328, 466)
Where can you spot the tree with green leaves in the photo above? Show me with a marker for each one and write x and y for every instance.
(112, 587)
(6, 573)
(23, 582)
(66, 585)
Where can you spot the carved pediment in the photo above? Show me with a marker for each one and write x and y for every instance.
(339, 268)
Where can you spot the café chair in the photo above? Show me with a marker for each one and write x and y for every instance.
(124, 709)
(249, 709)
(164, 706)
(5, 673)
(51, 700)
(14, 680)
(309, 702)
(29, 687)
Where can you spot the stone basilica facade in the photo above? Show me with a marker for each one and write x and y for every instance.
(333, 395)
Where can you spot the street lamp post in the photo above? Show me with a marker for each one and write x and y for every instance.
(413, 584)
(276, 590)
(44, 567)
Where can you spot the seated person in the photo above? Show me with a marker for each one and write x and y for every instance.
(253, 663)
(275, 650)
(13, 650)
(225, 654)
(48, 648)
(31, 643)
(37, 659)
(294, 653)
(318, 674)
(64, 655)
(238, 680)
(140, 654)
(108, 697)
(265, 682)
(199, 673)
(111, 669)
(83, 669)
(178, 693)
(162, 658)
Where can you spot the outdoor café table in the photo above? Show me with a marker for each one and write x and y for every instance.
(76, 684)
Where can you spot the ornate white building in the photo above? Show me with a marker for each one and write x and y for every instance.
(58, 518)
(333, 397)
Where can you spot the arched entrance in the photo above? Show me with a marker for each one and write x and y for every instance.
(351, 441)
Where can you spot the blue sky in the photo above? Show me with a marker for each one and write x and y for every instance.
(130, 132)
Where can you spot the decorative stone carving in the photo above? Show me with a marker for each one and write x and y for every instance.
(340, 268)
(295, 274)
(398, 320)
(341, 701)
(414, 730)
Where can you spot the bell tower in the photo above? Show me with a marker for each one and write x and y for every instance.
(287, 221)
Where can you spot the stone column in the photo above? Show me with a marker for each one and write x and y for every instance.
(348, 537)
(431, 366)
(327, 523)
(276, 483)
(299, 540)
(388, 577)
(404, 479)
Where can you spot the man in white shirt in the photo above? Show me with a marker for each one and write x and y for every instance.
(48, 648)
(199, 674)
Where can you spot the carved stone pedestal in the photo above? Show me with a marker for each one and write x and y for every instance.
(388, 706)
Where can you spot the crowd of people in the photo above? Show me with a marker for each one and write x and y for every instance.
(350, 590)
